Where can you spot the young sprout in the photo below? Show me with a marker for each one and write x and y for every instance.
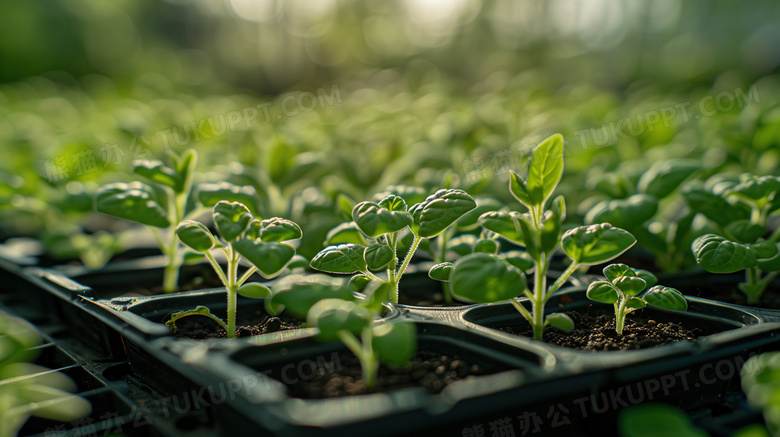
(381, 227)
(261, 242)
(490, 277)
(623, 288)
(741, 210)
(165, 201)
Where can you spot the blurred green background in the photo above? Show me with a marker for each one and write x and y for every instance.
(334, 97)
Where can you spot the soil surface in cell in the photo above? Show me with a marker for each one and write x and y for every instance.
(255, 323)
(430, 370)
(596, 332)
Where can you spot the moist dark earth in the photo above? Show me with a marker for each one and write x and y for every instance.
(596, 332)
(430, 370)
(201, 328)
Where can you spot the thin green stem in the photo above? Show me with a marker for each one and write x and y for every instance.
(215, 265)
(539, 296)
(369, 365)
(404, 265)
(620, 316)
(232, 293)
(561, 280)
(246, 276)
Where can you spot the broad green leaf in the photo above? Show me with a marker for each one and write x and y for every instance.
(602, 291)
(344, 258)
(135, 202)
(649, 278)
(211, 194)
(715, 208)
(596, 244)
(254, 290)
(375, 220)
(616, 271)
(358, 282)
(517, 188)
(156, 171)
(719, 255)
(195, 235)
(439, 211)
(441, 271)
(624, 213)
(636, 303)
(666, 297)
(378, 256)
(744, 231)
(505, 224)
(279, 229)
(758, 190)
(521, 260)
(560, 321)
(665, 176)
(297, 293)
(345, 233)
(770, 263)
(334, 315)
(393, 203)
(270, 258)
(411, 195)
(231, 219)
(482, 278)
(630, 286)
(545, 170)
(486, 246)
(394, 343)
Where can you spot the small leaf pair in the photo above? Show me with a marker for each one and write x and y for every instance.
(261, 242)
(623, 288)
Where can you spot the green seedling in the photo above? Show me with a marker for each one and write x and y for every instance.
(325, 303)
(166, 200)
(28, 389)
(645, 205)
(740, 210)
(761, 384)
(378, 230)
(624, 289)
(260, 242)
(489, 277)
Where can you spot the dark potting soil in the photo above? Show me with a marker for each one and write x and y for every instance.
(430, 370)
(596, 332)
(256, 323)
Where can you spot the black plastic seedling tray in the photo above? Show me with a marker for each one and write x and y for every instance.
(533, 379)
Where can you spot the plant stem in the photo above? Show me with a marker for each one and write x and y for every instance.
(171, 272)
(364, 354)
(403, 267)
(231, 293)
(246, 276)
(539, 296)
(561, 280)
(620, 316)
